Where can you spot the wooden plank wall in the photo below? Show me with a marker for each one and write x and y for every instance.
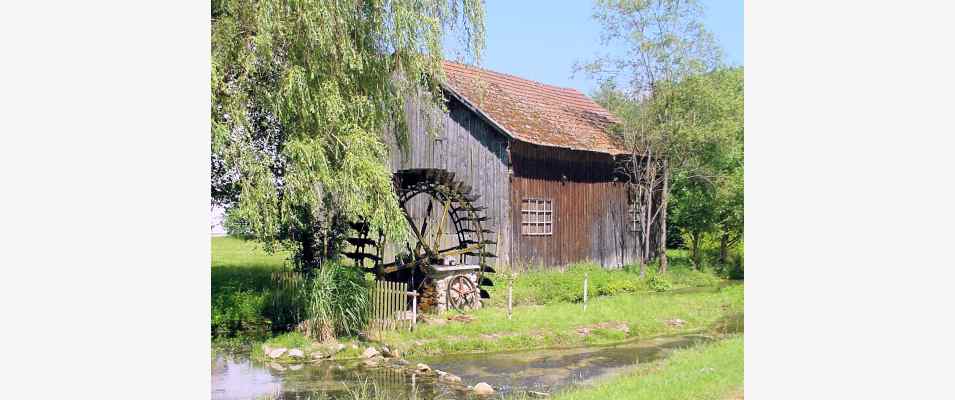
(590, 209)
(472, 149)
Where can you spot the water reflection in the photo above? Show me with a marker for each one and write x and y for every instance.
(516, 372)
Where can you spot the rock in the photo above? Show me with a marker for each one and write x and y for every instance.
(266, 349)
(369, 353)
(276, 353)
(390, 353)
(371, 363)
(440, 373)
(676, 322)
(483, 389)
(622, 327)
(318, 355)
(295, 367)
(276, 366)
(297, 353)
(401, 361)
(422, 368)
(537, 394)
(450, 378)
(338, 347)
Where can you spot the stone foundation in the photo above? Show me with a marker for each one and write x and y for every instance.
(434, 290)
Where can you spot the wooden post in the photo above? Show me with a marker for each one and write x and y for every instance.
(510, 295)
(586, 277)
(391, 306)
(414, 309)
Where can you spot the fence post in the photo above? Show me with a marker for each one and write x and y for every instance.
(510, 286)
(586, 277)
(391, 305)
(414, 309)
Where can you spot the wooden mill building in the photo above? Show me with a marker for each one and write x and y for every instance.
(543, 161)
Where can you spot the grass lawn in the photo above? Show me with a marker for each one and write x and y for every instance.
(711, 371)
(230, 252)
(241, 273)
(607, 319)
(547, 310)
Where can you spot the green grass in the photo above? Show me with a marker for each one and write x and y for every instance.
(547, 287)
(547, 309)
(555, 325)
(711, 371)
(228, 251)
(241, 273)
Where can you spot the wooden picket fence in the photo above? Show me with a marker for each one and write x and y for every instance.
(390, 307)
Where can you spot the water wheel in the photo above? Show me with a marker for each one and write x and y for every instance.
(445, 227)
(462, 293)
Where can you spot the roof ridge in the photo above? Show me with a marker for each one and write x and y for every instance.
(469, 66)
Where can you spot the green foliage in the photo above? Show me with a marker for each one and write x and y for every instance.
(241, 282)
(681, 111)
(707, 199)
(303, 94)
(547, 287)
(659, 283)
(338, 296)
(247, 302)
(543, 287)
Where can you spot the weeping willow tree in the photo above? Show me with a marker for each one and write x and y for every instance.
(303, 93)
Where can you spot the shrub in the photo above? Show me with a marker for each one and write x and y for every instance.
(337, 301)
(659, 283)
(689, 277)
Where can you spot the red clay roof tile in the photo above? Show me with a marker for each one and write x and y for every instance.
(534, 112)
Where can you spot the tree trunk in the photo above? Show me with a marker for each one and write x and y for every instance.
(308, 257)
(724, 245)
(695, 249)
(664, 198)
(645, 228)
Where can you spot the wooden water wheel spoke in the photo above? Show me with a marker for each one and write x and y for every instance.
(424, 226)
(417, 233)
(444, 216)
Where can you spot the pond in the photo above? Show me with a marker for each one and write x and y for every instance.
(510, 373)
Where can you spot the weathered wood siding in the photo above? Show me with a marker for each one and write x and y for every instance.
(591, 213)
(471, 148)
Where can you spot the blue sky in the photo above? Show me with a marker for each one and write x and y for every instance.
(541, 40)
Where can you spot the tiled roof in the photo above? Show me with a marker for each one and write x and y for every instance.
(534, 112)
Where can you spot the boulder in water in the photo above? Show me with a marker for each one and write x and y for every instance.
(276, 353)
(370, 352)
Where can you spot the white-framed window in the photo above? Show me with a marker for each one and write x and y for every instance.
(537, 217)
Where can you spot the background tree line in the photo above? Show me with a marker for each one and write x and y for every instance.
(682, 122)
